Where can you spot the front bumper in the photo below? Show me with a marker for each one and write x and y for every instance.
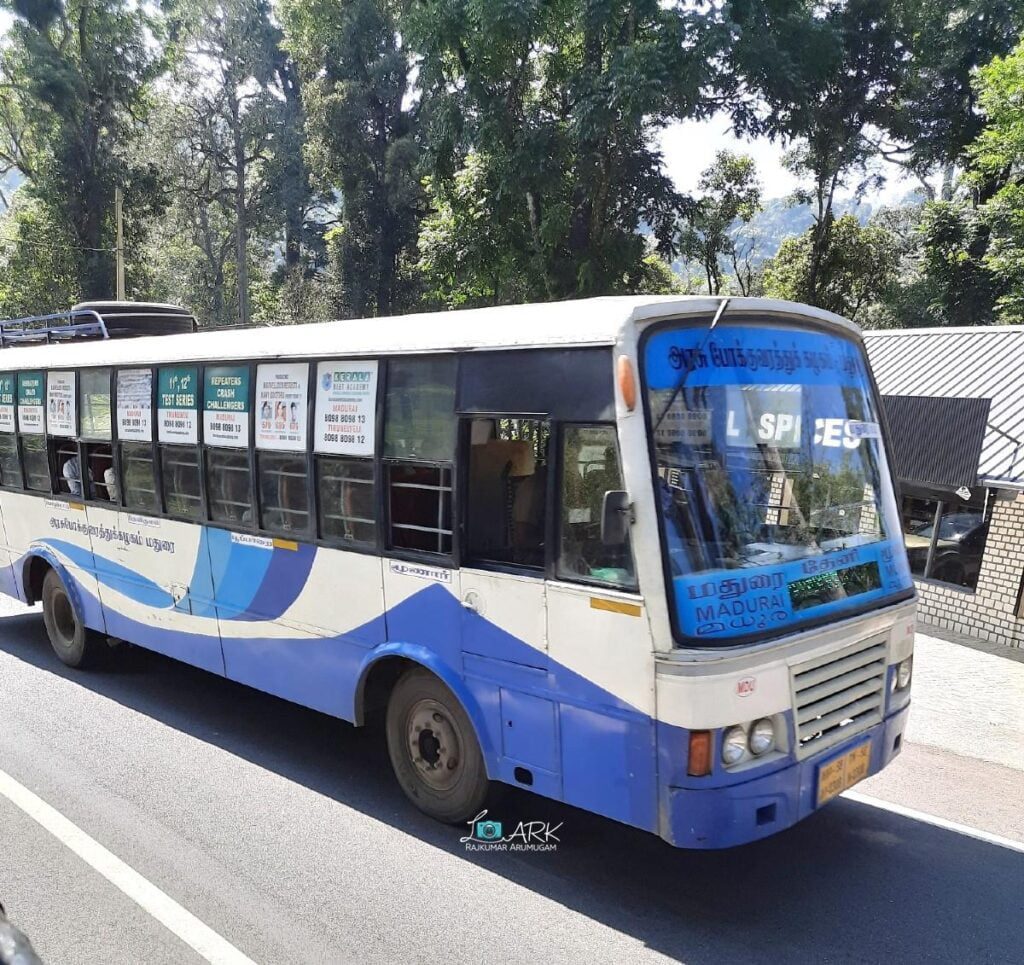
(725, 816)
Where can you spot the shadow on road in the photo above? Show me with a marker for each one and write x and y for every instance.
(851, 884)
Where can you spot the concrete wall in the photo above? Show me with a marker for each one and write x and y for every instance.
(990, 611)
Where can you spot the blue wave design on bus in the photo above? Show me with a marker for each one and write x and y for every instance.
(117, 577)
(255, 579)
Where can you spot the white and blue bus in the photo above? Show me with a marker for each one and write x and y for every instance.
(641, 555)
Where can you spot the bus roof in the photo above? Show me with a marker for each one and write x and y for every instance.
(593, 321)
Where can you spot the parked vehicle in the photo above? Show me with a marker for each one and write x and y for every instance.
(958, 551)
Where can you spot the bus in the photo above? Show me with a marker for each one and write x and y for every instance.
(641, 555)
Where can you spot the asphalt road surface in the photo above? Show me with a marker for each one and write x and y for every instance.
(283, 833)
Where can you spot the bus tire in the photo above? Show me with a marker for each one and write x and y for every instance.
(74, 643)
(434, 750)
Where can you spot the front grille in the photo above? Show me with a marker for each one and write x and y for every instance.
(838, 695)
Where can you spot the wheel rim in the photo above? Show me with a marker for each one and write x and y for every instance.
(63, 617)
(434, 745)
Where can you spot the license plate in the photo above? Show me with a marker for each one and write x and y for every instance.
(845, 771)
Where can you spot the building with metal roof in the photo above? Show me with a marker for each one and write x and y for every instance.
(960, 365)
(954, 401)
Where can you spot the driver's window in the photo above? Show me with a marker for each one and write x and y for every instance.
(590, 468)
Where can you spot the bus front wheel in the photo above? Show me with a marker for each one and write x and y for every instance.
(434, 750)
(74, 643)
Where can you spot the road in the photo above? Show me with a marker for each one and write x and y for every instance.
(283, 831)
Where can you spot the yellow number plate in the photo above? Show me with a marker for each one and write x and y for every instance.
(836, 776)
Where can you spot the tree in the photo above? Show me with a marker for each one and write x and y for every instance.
(860, 264)
(231, 116)
(74, 78)
(961, 287)
(938, 116)
(560, 103)
(730, 197)
(825, 76)
(39, 267)
(998, 165)
(467, 255)
(356, 74)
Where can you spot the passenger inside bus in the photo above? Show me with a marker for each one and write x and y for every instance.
(100, 463)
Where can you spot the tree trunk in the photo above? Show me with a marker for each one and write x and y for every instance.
(241, 220)
(294, 190)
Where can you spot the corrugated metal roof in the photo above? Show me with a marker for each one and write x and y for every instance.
(936, 441)
(962, 363)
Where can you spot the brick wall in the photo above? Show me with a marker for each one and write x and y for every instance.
(988, 612)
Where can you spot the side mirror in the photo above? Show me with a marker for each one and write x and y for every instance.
(616, 515)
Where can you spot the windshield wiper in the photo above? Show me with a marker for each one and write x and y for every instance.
(689, 368)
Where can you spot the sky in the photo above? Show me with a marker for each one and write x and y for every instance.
(688, 147)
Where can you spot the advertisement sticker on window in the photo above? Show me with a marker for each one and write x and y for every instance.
(281, 406)
(31, 389)
(346, 406)
(177, 405)
(7, 402)
(226, 406)
(135, 405)
(60, 404)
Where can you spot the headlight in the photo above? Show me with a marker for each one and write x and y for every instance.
(762, 737)
(904, 672)
(734, 745)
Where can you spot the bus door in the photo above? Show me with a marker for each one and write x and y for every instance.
(503, 598)
(504, 625)
(599, 638)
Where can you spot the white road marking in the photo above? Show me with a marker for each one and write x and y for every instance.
(211, 946)
(938, 822)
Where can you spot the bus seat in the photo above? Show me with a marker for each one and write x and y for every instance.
(528, 505)
(492, 467)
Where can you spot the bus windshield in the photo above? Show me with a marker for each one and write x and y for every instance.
(775, 502)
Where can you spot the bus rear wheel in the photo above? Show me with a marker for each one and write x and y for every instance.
(74, 643)
(434, 750)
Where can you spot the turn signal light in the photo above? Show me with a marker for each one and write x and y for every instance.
(627, 383)
(699, 763)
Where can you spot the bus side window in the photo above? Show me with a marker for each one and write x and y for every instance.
(590, 467)
(138, 477)
(227, 484)
(66, 466)
(284, 499)
(179, 467)
(419, 450)
(346, 499)
(506, 492)
(10, 468)
(36, 462)
(94, 406)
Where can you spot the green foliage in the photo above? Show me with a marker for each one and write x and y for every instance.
(37, 264)
(74, 79)
(656, 277)
(731, 196)
(560, 102)
(285, 160)
(998, 156)
(856, 269)
(938, 114)
(362, 142)
(467, 255)
(954, 240)
(832, 76)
